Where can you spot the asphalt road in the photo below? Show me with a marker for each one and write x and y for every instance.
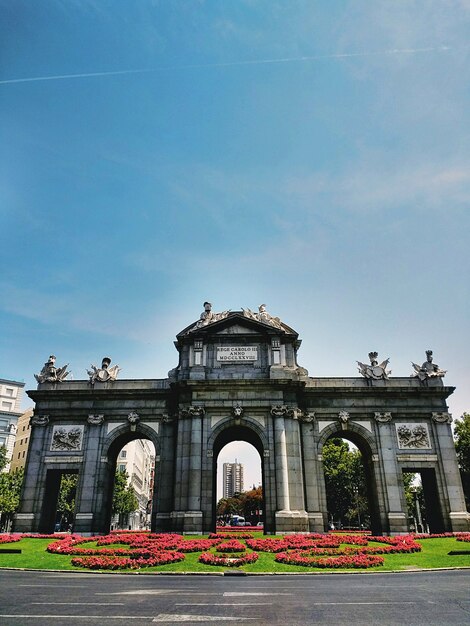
(75, 599)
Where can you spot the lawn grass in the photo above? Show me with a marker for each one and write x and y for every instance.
(434, 554)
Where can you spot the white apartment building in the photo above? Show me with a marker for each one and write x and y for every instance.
(232, 479)
(10, 401)
(137, 458)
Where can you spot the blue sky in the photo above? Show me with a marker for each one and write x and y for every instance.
(310, 155)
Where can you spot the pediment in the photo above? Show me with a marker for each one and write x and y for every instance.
(237, 329)
(236, 323)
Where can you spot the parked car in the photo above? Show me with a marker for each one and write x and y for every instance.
(260, 524)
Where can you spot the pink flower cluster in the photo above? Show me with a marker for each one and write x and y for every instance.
(10, 538)
(231, 546)
(240, 535)
(158, 558)
(228, 561)
(464, 537)
(357, 561)
(197, 545)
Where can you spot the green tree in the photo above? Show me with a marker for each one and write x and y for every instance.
(124, 498)
(414, 496)
(3, 458)
(226, 507)
(66, 500)
(10, 491)
(345, 480)
(252, 501)
(462, 447)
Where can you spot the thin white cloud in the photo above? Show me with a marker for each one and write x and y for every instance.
(228, 64)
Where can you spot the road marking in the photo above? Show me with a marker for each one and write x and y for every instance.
(158, 592)
(254, 593)
(168, 617)
(49, 586)
(347, 603)
(82, 603)
(223, 604)
(70, 617)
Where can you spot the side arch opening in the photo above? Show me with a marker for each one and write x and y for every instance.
(248, 507)
(350, 482)
(129, 482)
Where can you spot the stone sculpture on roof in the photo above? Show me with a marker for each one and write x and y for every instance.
(263, 316)
(376, 370)
(428, 369)
(104, 373)
(50, 373)
(208, 317)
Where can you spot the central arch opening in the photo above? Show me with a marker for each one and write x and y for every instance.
(131, 483)
(351, 492)
(238, 472)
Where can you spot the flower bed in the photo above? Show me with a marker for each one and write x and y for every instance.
(197, 545)
(9, 538)
(267, 545)
(304, 559)
(231, 546)
(230, 550)
(227, 561)
(231, 535)
(112, 563)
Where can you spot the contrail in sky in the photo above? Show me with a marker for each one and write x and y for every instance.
(347, 55)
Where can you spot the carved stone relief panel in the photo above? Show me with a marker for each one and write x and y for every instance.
(67, 438)
(413, 436)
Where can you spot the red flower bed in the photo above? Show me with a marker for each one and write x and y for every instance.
(267, 545)
(300, 558)
(241, 535)
(197, 545)
(10, 538)
(464, 537)
(231, 546)
(227, 561)
(159, 558)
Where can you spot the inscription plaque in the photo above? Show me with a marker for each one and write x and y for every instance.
(237, 353)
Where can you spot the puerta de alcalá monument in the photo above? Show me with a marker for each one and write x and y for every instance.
(238, 378)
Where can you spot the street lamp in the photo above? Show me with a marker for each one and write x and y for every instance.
(356, 494)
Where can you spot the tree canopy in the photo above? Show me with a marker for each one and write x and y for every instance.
(462, 447)
(346, 489)
(247, 504)
(10, 491)
(124, 498)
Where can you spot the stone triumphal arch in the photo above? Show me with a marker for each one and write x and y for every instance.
(238, 379)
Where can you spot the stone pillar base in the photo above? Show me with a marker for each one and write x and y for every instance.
(162, 522)
(398, 524)
(186, 522)
(460, 522)
(291, 522)
(316, 522)
(192, 524)
(83, 523)
(24, 523)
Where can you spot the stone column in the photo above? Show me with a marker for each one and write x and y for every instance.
(179, 476)
(27, 519)
(282, 474)
(394, 517)
(194, 498)
(459, 518)
(165, 472)
(89, 473)
(312, 469)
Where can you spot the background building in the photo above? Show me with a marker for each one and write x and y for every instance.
(20, 447)
(137, 458)
(10, 401)
(233, 479)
